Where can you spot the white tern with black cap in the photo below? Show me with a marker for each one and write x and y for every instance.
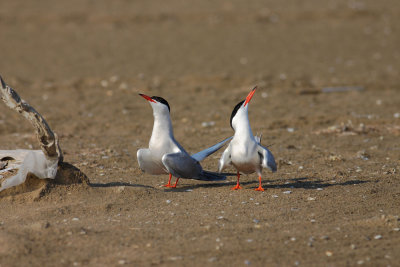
(166, 156)
(245, 151)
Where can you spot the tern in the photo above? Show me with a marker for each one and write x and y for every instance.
(245, 151)
(166, 156)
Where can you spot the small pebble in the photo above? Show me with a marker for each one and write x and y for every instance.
(114, 78)
(168, 201)
(320, 189)
(75, 219)
(243, 60)
(328, 253)
(360, 262)
(247, 262)
(212, 259)
(123, 86)
(352, 246)
(290, 130)
(208, 124)
(104, 83)
(396, 229)
(274, 196)
(396, 115)
(287, 192)
(311, 198)
(378, 237)
(172, 258)
(121, 262)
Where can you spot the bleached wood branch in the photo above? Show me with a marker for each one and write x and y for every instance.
(47, 139)
(41, 163)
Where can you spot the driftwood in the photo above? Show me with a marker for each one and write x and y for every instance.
(41, 163)
(47, 139)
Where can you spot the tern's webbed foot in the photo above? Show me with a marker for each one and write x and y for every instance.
(176, 183)
(169, 182)
(259, 188)
(236, 187)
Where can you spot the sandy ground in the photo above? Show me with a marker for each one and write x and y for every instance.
(336, 196)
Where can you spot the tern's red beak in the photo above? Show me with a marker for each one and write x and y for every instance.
(249, 96)
(148, 98)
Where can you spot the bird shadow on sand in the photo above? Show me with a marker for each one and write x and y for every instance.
(117, 184)
(301, 182)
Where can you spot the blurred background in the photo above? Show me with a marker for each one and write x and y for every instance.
(327, 103)
(332, 42)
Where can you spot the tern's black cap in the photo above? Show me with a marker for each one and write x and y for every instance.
(161, 100)
(235, 110)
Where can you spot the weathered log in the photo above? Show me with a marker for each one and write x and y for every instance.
(48, 140)
(40, 163)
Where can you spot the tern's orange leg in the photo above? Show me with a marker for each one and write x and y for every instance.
(260, 188)
(237, 185)
(169, 181)
(176, 183)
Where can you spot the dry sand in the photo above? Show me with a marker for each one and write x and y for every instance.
(336, 196)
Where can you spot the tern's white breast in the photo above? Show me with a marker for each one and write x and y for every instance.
(244, 156)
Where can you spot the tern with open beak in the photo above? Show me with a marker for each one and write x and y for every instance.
(166, 156)
(245, 151)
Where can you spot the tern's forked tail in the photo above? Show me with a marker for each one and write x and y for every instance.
(211, 176)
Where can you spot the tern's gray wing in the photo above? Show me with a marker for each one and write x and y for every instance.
(225, 159)
(207, 152)
(181, 165)
(267, 159)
